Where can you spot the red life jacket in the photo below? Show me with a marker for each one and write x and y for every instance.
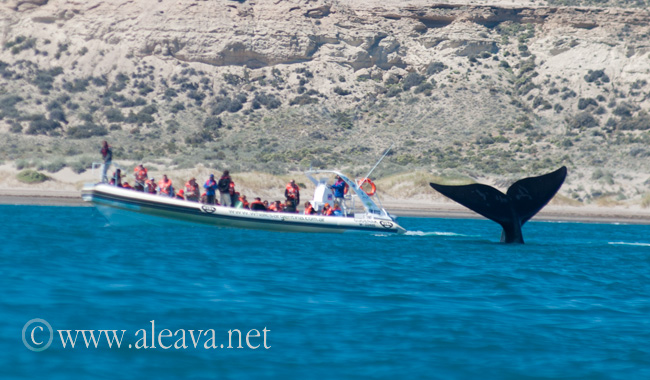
(190, 190)
(164, 186)
(150, 187)
(140, 174)
(292, 191)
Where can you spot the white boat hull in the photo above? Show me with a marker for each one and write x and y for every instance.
(128, 207)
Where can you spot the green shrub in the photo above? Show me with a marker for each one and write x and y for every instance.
(411, 80)
(81, 165)
(582, 120)
(425, 87)
(596, 76)
(77, 85)
(22, 164)
(212, 123)
(87, 130)
(15, 127)
(113, 115)
(624, 109)
(176, 107)
(39, 125)
(31, 176)
(586, 102)
(303, 100)
(55, 166)
(435, 68)
(8, 106)
(44, 79)
(338, 90)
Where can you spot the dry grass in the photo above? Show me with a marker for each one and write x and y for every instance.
(645, 202)
(561, 200)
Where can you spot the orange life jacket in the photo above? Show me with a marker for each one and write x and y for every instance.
(309, 209)
(244, 202)
(190, 190)
(150, 187)
(140, 174)
(164, 186)
(292, 191)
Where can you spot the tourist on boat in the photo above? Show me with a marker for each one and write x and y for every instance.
(165, 186)
(234, 196)
(116, 179)
(258, 205)
(325, 210)
(126, 185)
(309, 209)
(140, 174)
(292, 193)
(224, 189)
(107, 156)
(244, 202)
(181, 194)
(150, 186)
(192, 190)
(289, 206)
(210, 189)
(339, 190)
(335, 211)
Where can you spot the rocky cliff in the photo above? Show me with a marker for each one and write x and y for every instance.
(480, 89)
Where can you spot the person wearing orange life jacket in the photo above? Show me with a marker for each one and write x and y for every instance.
(292, 193)
(165, 186)
(234, 196)
(325, 210)
(192, 192)
(126, 185)
(257, 205)
(150, 186)
(244, 202)
(181, 194)
(140, 174)
(335, 211)
(272, 207)
(309, 209)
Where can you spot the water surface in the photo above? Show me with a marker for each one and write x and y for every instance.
(444, 301)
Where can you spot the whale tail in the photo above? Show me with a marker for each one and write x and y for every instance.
(514, 208)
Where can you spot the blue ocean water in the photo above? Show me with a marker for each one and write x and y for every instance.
(444, 301)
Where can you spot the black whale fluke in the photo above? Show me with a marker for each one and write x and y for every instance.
(511, 210)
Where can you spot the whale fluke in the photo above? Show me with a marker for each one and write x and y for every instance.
(511, 210)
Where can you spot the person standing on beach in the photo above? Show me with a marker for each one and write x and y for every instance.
(107, 155)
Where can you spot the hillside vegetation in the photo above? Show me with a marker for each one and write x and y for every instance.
(491, 92)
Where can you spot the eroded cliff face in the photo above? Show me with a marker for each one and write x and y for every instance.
(496, 88)
(261, 33)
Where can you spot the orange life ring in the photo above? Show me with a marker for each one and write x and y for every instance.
(373, 188)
